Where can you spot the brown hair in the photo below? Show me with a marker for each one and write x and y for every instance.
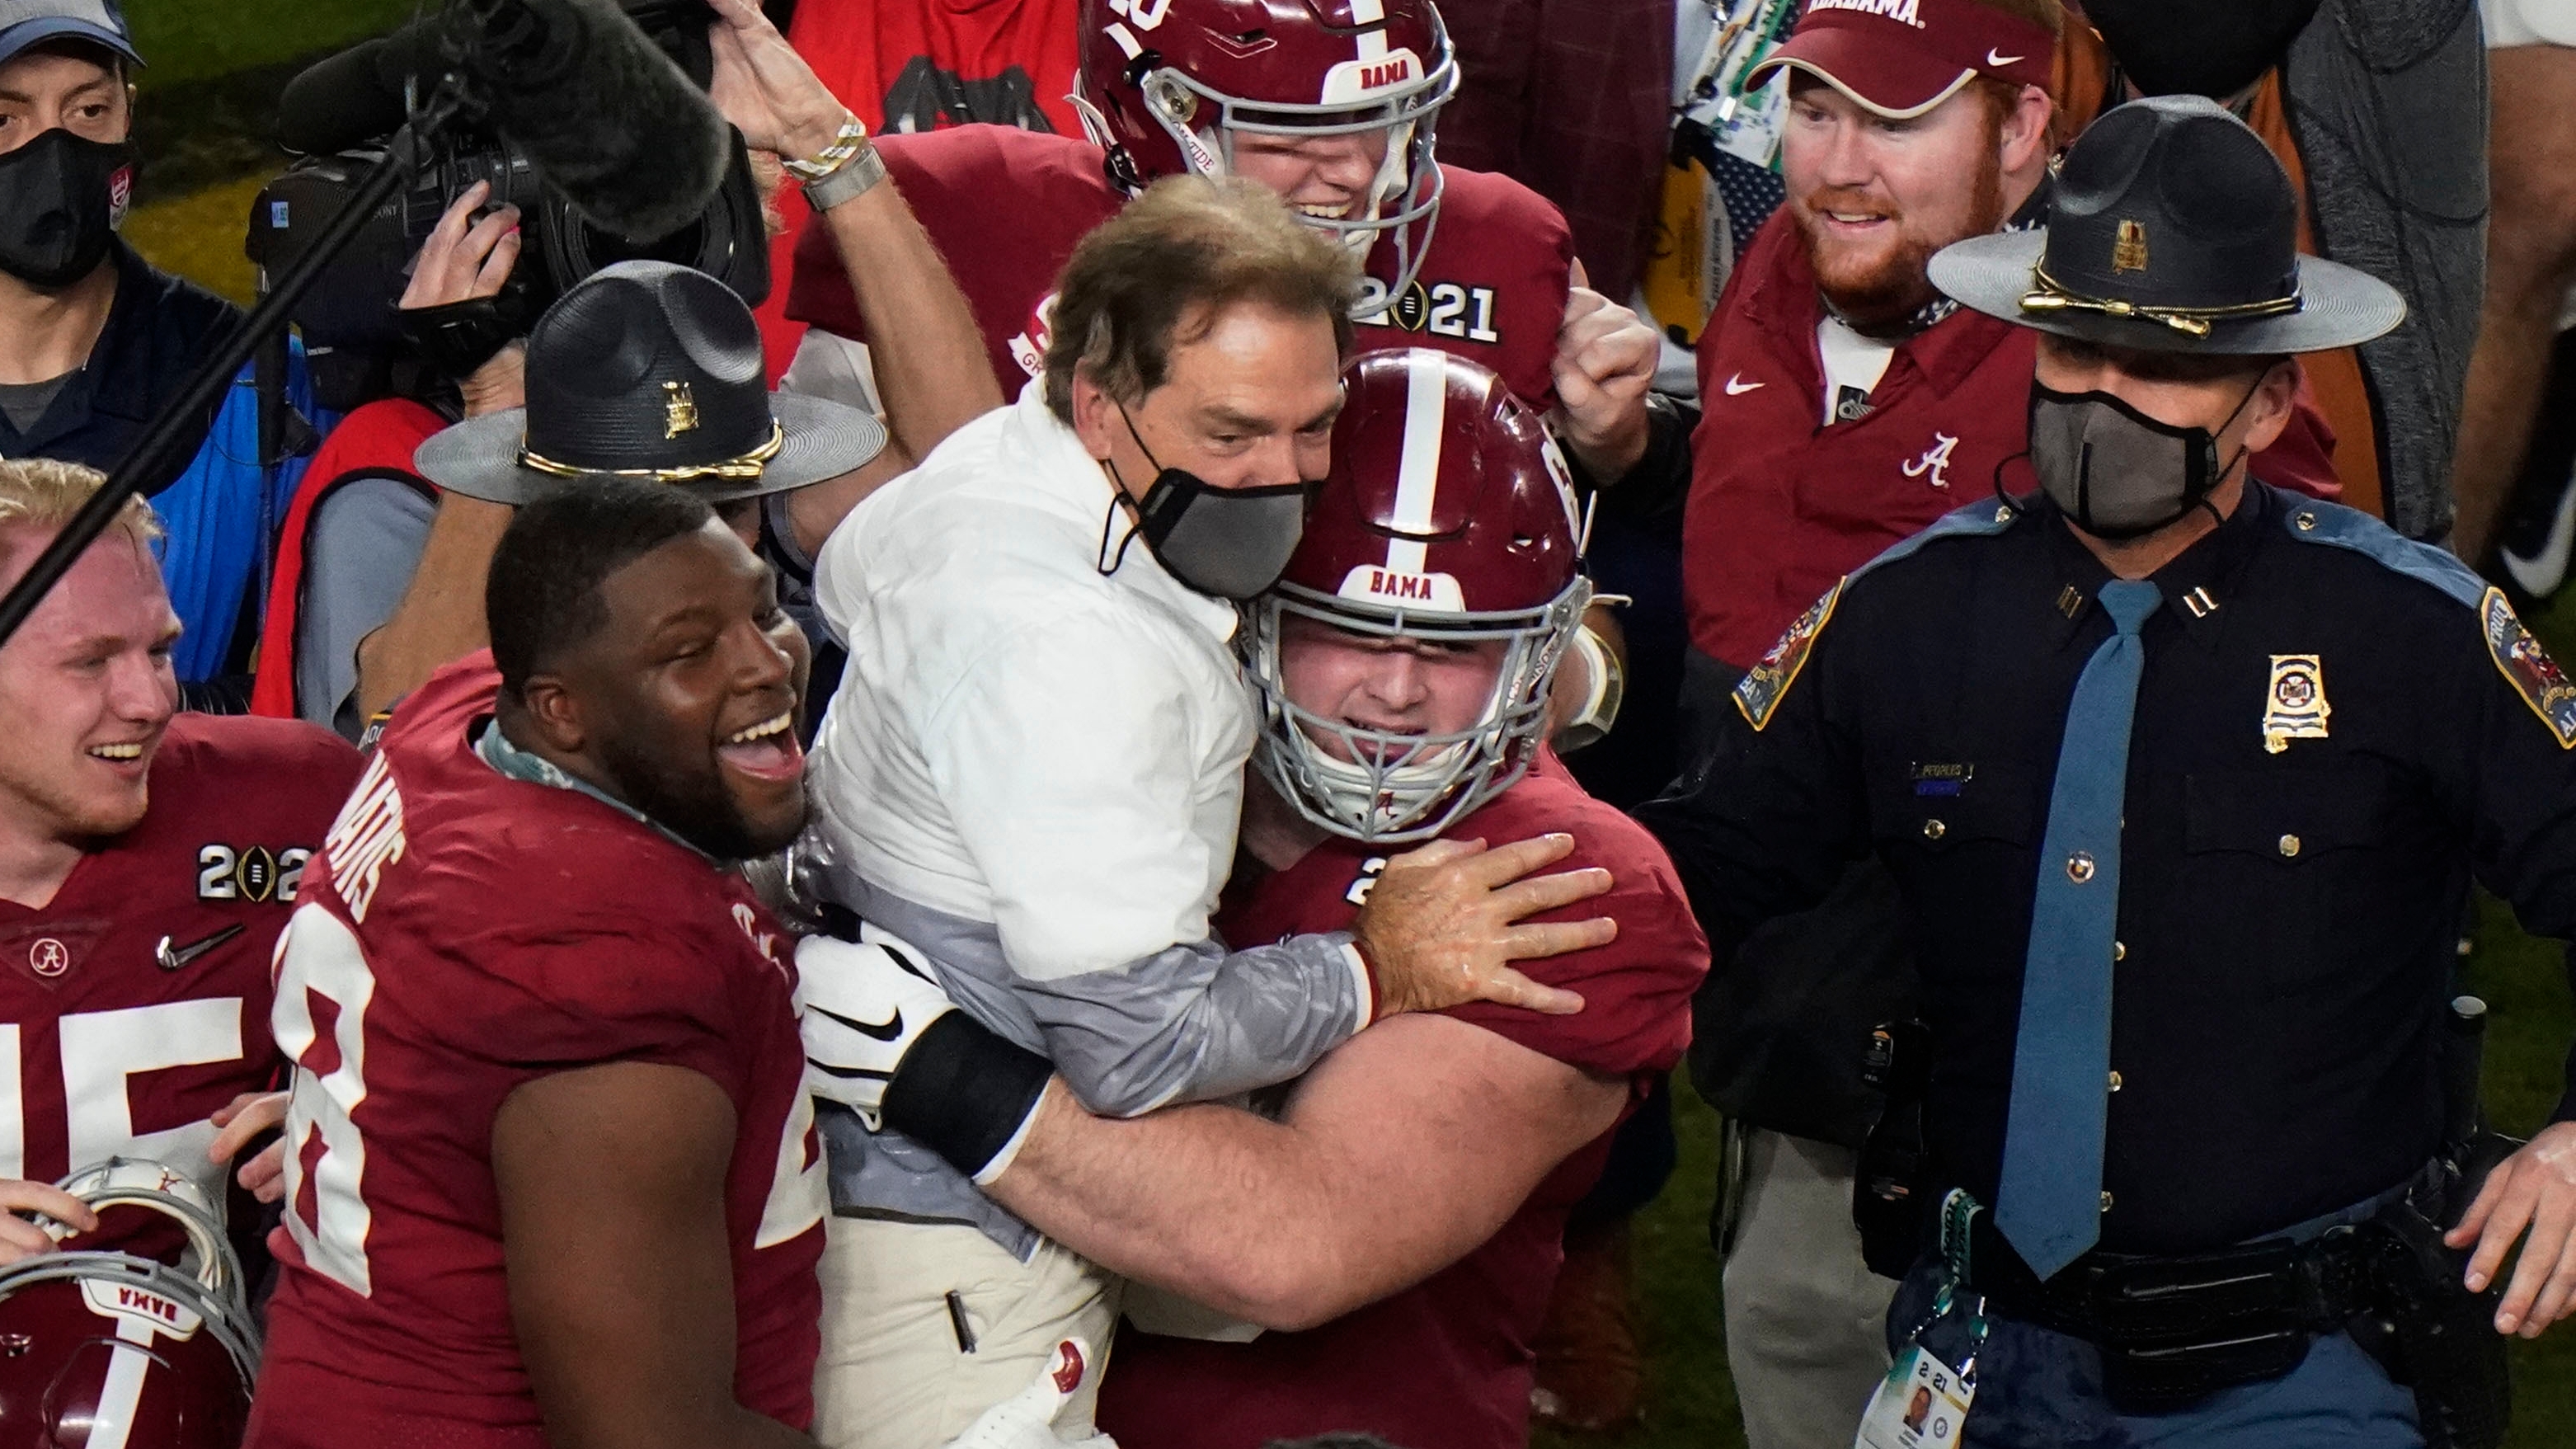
(1157, 274)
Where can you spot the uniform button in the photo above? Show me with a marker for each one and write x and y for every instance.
(2115, 1086)
(2106, 1200)
(2307, 522)
(2003, 514)
(2289, 845)
(2119, 951)
(1934, 829)
(2079, 867)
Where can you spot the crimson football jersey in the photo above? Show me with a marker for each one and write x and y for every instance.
(1444, 1364)
(1005, 208)
(136, 1002)
(465, 933)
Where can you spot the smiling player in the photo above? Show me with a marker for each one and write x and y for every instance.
(147, 862)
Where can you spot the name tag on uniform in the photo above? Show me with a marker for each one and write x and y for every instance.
(2294, 705)
(1921, 1404)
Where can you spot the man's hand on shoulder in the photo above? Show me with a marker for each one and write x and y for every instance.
(2535, 1189)
(1444, 922)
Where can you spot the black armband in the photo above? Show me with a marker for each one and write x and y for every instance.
(965, 1093)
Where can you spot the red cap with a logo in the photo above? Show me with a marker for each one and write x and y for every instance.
(1900, 58)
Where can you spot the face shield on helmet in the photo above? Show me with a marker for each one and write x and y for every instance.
(1447, 519)
(1169, 86)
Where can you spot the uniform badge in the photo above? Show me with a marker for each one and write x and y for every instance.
(2129, 247)
(2294, 706)
(2528, 667)
(1761, 690)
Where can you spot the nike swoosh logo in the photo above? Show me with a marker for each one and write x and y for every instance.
(887, 1030)
(2000, 61)
(177, 959)
(2541, 575)
(1736, 386)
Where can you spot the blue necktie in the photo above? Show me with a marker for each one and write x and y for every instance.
(2049, 1203)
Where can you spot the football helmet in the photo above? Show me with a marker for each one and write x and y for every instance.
(1166, 86)
(1448, 515)
(100, 1347)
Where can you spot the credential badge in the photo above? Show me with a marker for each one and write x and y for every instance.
(2294, 707)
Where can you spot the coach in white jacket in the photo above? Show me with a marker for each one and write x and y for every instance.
(1033, 766)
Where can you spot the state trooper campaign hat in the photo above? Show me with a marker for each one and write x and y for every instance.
(2174, 229)
(650, 370)
(31, 22)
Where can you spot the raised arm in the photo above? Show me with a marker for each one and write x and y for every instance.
(931, 368)
(623, 1303)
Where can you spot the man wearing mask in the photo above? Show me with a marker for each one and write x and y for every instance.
(2182, 779)
(1033, 772)
(95, 343)
(1847, 404)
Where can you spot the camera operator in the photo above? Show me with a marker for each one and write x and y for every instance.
(354, 538)
(782, 110)
(94, 342)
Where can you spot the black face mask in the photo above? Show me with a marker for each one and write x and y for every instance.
(1227, 543)
(61, 197)
(2117, 473)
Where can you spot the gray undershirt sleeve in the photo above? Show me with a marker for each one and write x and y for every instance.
(1197, 1022)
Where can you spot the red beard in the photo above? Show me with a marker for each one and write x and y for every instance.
(1878, 293)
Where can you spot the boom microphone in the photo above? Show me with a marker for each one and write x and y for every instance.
(602, 114)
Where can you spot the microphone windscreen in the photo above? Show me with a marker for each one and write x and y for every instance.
(339, 101)
(602, 114)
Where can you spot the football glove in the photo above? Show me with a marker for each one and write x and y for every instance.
(861, 1007)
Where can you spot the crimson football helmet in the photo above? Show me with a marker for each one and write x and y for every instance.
(1448, 515)
(1166, 85)
(106, 1348)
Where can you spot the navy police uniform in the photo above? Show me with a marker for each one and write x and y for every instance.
(2335, 731)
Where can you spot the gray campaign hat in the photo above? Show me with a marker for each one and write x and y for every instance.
(2173, 229)
(29, 22)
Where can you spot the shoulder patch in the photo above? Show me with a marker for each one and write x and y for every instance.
(1977, 520)
(2312, 522)
(1761, 690)
(2528, 668)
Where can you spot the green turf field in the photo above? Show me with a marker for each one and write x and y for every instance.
(229, 55)
(184, 41)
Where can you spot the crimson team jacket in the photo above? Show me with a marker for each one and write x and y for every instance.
(1780, 506)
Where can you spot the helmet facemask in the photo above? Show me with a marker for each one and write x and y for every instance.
(1404, 195)
(1386, 788)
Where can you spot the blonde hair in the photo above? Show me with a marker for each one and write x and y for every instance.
(44, 493)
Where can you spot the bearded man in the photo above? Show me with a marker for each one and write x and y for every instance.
(1847, 406)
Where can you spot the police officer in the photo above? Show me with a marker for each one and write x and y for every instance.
(2184, 780)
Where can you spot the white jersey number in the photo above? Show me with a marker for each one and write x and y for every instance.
(319, 958)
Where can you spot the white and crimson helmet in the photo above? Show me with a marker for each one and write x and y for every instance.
(1166, 85)
(1448, 515)
(101, 1347)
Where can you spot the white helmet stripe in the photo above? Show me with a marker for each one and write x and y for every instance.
(1373, 41)
(1417, 475)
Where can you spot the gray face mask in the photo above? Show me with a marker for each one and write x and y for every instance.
(2114, 471)
(1228, 543)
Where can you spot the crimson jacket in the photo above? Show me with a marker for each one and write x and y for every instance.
(1780, 506)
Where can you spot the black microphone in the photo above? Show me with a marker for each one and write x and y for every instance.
(344, 99)
(602, 114)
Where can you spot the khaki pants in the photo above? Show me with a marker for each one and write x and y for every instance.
(892, 1375)
(1806, 1321)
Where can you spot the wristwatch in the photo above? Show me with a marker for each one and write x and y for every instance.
(852, 178)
